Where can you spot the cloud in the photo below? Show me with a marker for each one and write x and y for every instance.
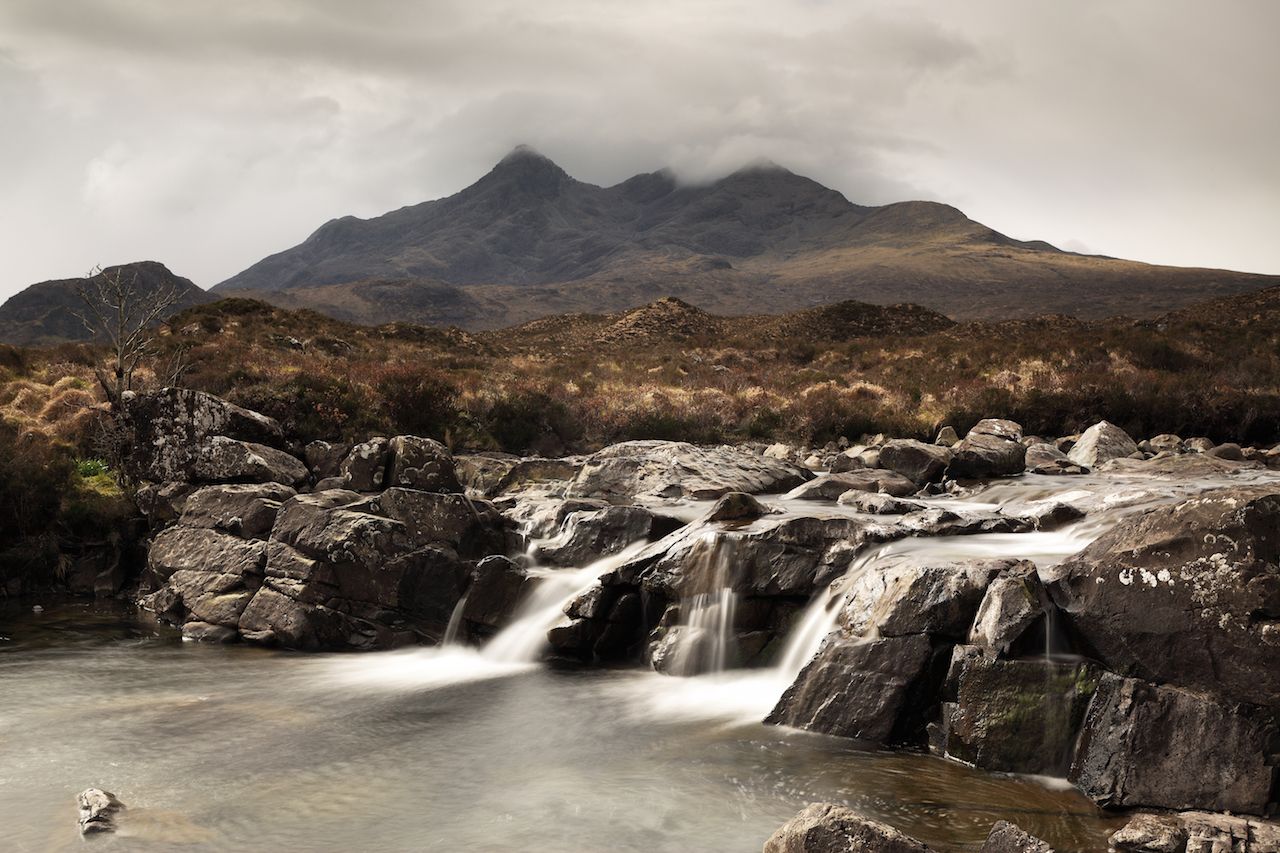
(209, 134)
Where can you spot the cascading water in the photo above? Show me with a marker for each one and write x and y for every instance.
(524, 639)
(454, 629)
(705, 642)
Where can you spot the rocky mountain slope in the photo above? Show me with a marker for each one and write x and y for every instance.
(528, 240)
(45, 313)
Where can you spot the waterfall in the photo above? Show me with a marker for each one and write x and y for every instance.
(704, 641)
(525, 638)
(455, 623)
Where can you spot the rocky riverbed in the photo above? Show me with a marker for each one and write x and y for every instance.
(1089, 609)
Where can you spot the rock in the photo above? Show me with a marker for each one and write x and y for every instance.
(1196, 832)
(1187, 594)
(422, 463)
(1230, 451)
(244, 510)
(876, 503)
(1198, 444)
(365, 467)
(171, 425)
(228, 460)
(829, 487)
(737, 506)
(1005, 837)
(1100, 443)
(624, 471)
(947, 437)
(471, 527)
(919, 462)
(828, 828)
(1050, 514)
(1014, 716)
(553, 475)
(1046, 459)
(324, 458)
(1012, 603)
(1165, 442)
(587, 535)
(856, 688)
(162, 503)
(203, 575)
(206, 632)
(852, 459)
(917, 596)
(782, 452)
(1147, 745)
(98, 810)
(497, 586)
(993, 448)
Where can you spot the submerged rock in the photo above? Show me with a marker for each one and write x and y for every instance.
(1006, 837)
(829, 828)
(98, 810)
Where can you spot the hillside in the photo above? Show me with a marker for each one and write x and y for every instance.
(528, 240)
(45, 313)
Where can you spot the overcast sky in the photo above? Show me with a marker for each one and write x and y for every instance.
(207, 134)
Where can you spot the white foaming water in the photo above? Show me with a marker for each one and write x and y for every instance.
(705, 640)
(525, 638)
(455, 623)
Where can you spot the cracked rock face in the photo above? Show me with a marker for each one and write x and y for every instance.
(1186, 595)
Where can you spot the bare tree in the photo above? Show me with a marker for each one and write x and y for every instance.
(121, 314)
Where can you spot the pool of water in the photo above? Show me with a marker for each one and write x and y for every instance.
(236, 748)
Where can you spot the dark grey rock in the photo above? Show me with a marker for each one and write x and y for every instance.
(919, 462)
(421, 463)
(993, 448)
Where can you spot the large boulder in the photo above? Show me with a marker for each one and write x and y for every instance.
(1101, 443)
(473, 528)
(421, 463)
(1187, 594)
(918, 596)
(993, 448)
(228, 460)
(589, 534)
(170, 426)
(365, 467)
(621, 472)
(856, 688)
(829, 828)
(203, 575)
(244, 510)
(1016, 716)
(1146, 745)
(919, 462)
(829, 487)
(498, 585)
(1044, 458)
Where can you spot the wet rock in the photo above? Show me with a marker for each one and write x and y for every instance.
(828, 828)
(1196, 832)
(853, 459)
(421, 463)
(244, 510)
(171, 425)
(1016, 716)
(206, 632)
(624, 471)
(98, 811)
(856, 688)
(1148, 745)
(1006, 837)
(1186, 594)
(587, 535)
(1012, 603)
(993, 448)
(875, 503)
(1101, 443)
(829, 487)
(497, 586)
(919, 462)
(324, 458)
(947, 437)
(365, 467)
(917, 596)
(737, 506)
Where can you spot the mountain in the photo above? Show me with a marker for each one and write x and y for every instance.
(45, 313)
(528, 240)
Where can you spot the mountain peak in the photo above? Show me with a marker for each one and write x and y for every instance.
(529, 170)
